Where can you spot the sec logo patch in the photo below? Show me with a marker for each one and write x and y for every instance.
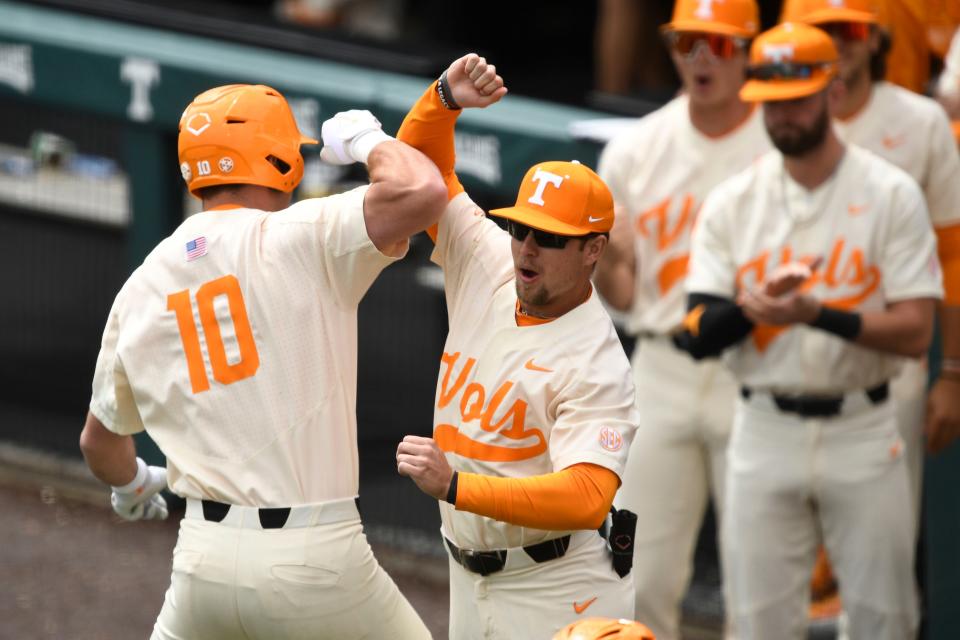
(610, 439)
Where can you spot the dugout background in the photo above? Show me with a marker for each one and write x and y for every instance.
(89, 184)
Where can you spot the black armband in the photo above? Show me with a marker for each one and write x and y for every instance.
(845, 324)
(452, 491)
(712, 324)
(446, 95)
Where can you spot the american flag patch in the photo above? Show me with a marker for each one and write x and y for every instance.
(196, 248)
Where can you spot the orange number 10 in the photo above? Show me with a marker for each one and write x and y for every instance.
(223, 372)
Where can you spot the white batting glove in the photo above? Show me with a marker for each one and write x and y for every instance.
(350, 136)
(140, 499)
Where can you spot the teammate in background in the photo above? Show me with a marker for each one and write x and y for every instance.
(912, 132)
(535, 406)
(815, 451)
(234, 345)
(660, 171)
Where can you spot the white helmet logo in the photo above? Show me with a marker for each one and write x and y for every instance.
(778, 52)
(226, 164)
(198, 123)
(185, 171)
(705, 9)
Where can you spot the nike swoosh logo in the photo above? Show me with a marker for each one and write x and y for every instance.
(592, 219)
(581, 607)
(534, 367)
(856, 210)
(892, 142)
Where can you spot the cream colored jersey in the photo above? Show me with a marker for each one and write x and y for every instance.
(659, 171)
(235, 345)
(867, 222)
(520, 401)
(912, 132)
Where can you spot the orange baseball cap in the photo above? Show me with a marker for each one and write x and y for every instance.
(566, 198)
(822, 11)
(740, 18)
(792, 60)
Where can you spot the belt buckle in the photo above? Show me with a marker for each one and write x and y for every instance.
(483, 562)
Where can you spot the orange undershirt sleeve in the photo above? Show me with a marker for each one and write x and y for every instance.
(948, 250)
(578, 497)
(429, 127)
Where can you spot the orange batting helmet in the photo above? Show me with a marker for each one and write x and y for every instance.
(240, 134)
(601, 628)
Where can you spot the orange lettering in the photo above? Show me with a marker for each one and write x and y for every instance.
(472, 411)
(667, 236)
(446, 393)
(672, 272)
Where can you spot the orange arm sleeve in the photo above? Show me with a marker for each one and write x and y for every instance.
(428, 127)
(578, 497)
(948, 249)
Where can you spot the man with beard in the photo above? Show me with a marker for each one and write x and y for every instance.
(535, 406)
(912, 132)
(817, 267)
(660, 170)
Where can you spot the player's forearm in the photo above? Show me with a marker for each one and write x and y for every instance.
(429, 127)
(712, 324)
(615, 280)
(904, 328)
(406, 193)
(578, 497)
(111, 458)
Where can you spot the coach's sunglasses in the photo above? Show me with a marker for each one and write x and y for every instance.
(786, 71)
(544, 239)
(848, 31)
(686, 43)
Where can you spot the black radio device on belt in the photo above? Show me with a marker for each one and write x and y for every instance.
(619, 534)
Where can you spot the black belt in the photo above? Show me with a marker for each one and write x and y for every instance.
(820, 406)
(270, 517)
(487, 562)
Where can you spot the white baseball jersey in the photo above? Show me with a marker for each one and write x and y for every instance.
(235, 345)
(912, 132)
(868, 223)
(520, 401)
(659, 172)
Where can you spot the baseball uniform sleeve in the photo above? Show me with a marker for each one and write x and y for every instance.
(112, 400)
(472, 250)
(909, 265)
(337, 243)
(597, 415)
(712, 269)
(614, 166)
(942, 188)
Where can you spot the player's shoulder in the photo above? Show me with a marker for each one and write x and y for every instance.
(312, 209)
(867, 171)
(659, 124)
(898, 98)
(747, 182)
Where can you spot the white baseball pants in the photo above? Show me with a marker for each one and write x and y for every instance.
(530, 600)
(677, 460)
(312, 582)
(792, 482)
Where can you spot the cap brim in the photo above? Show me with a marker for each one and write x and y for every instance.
(305, 140)
(707, 26)
(537, 219)
(839, 14)
(773, 90)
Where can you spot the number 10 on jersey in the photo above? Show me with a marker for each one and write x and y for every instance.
(223, 371)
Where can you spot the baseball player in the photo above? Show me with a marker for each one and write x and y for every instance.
(535, 406)
(660, 171)
(912, 132)
(234, 345)
(815, 453)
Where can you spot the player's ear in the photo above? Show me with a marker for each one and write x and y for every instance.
(836, 91)
(593, 249)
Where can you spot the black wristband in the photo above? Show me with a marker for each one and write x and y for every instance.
(845, 324)
(446, 95)
(452, 491)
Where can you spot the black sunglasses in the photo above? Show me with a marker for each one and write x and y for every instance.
(544, 239)
(785, 71)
